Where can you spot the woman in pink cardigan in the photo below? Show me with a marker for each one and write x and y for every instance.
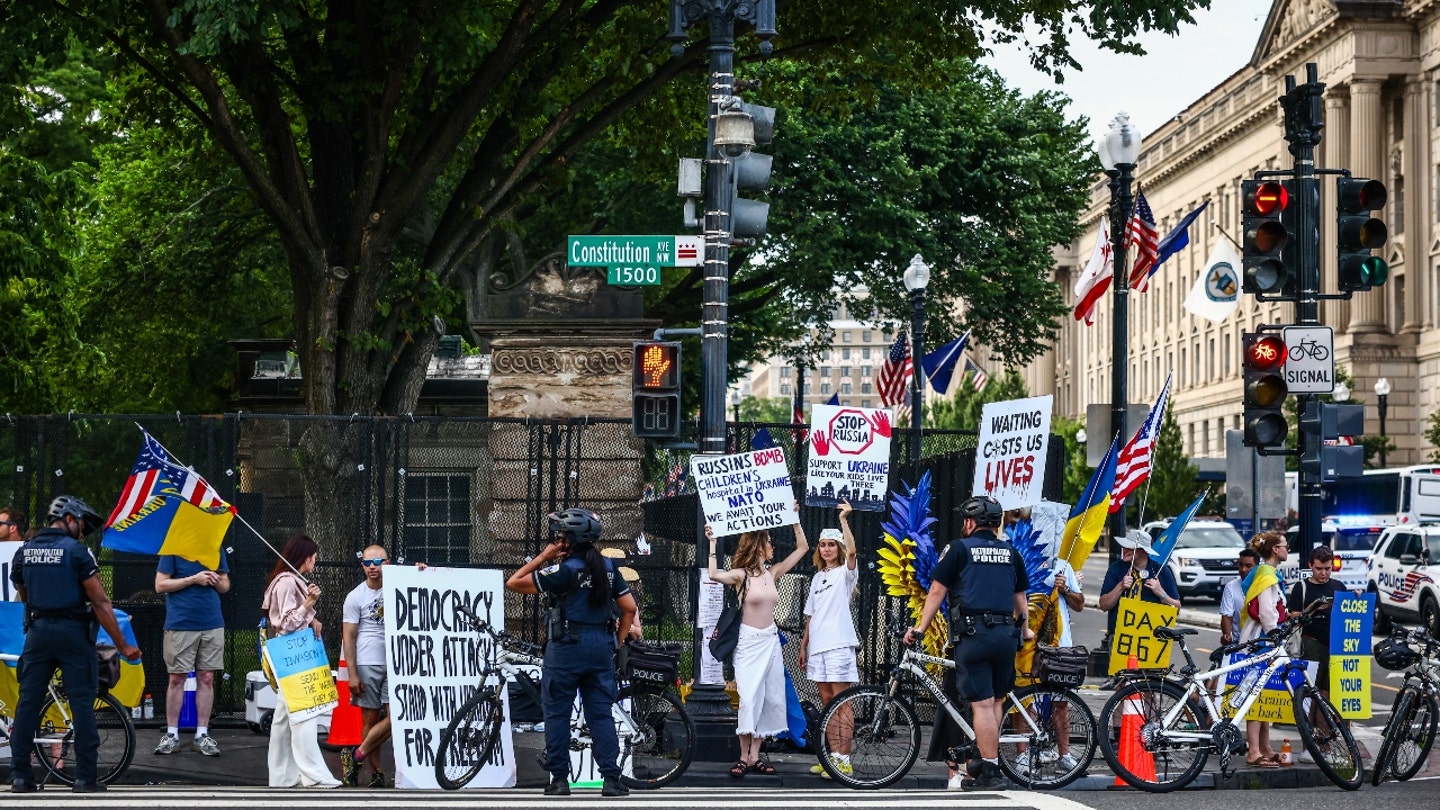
(289, 607)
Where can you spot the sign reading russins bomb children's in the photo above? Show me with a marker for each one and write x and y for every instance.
(744, 492)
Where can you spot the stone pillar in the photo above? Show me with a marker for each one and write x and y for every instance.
(1367, 159)
(1417, 237)
(1336, 145)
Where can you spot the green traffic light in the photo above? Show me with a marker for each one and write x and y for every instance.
(1375, 271)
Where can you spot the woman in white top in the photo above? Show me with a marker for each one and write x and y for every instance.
(1273, 550)
(827, 646)
(759, 670)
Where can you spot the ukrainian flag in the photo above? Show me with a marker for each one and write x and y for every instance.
(1260, 578)
(132, 673)
(12, 642)
(168, 509)
(1088, 516)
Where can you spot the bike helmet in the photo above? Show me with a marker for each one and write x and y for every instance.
(982, 509)
(578, 525)
(70, 506)
(1394, 654)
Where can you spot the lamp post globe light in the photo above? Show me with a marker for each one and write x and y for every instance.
(1119, 150)
(917, 278)
(1341, 392)
(1382, 390)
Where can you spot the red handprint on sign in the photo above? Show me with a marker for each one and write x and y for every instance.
(880, 423)
(821, 442)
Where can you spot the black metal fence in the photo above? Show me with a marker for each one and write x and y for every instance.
(447, 491)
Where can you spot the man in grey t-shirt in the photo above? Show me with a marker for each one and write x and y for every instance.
(362, 638)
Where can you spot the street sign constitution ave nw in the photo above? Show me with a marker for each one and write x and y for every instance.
(633, 260)
(1310, 359)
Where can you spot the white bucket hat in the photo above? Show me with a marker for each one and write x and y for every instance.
(833, 534)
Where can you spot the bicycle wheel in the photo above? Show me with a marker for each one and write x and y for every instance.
(1140, 748)
(1057, 749)
(1399, 720)
(880, 734)
(469, 741)
(1328, 739)
(657, 747)
(55, 740)
(1416, 738)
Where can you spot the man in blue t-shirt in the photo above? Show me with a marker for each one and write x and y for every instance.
(194, 642)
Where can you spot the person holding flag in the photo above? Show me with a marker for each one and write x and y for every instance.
(1264, 611)
(1136, 575)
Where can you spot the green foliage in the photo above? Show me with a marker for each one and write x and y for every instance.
(766, 409)
(961, 411)
(1432, 435)
(1077, 473)
(1172, 485)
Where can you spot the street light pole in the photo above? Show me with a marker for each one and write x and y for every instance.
(917, 278)
(1119, 150)
(1382, 390)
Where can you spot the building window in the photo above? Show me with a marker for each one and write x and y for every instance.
(437, 518)
(846, 336)
(864, 387)
(845, 352)
(865, 352)
(824, 371)
(844, 388)
(865, 403)
(825, 355)
(825, 388)
(865, 371)
(866, 337)
(785, 388)
(785, 372)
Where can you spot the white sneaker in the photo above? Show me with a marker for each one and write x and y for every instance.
(1066, 763)
(1022, 762)
(1049, 756)
(954, 783)
(1304, 757)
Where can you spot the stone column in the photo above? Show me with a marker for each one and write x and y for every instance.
(1367, 159)
(1336, 145)
(1417, 236)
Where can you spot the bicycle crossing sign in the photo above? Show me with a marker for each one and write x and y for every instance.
(1310, 362)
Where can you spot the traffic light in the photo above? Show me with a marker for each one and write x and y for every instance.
(1324, 457)
(751, 172)
(1267, 264)
(1265, 390)
(655, 391)
(1358, 233)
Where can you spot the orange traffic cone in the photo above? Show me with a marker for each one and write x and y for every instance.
(1133, 756)
(345, 719)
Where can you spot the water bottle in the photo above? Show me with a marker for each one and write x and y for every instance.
(1246, 684)
(149, 711)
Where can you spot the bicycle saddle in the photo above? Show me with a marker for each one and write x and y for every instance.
(1170, 634)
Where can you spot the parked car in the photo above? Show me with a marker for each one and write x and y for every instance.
(1353, 543)
(1402, 573)
(1204, 556)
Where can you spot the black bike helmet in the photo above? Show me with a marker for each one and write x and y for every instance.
(1395, 655)
(578, 525)
(982, 509)
(70, 506)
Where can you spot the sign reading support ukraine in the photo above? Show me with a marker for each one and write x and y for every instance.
(302, 669)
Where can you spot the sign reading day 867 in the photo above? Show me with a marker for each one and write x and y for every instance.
(745, 491)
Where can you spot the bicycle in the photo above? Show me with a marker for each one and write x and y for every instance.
(657, 736)
(1410, 732)
(1309, 348)
(1178, 722)
(1033, 752)
(55, 737)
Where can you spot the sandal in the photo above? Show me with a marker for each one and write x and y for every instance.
(1263, 762)
(762, 767)
(739, 769)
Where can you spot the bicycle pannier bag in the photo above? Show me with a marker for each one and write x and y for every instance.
(651, 664)
(1061, 666)
(109, 659)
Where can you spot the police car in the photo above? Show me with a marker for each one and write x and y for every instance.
(1404, 571)
(1204, 556)
(1352, 540)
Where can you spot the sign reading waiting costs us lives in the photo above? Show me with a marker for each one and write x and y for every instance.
(633, 260)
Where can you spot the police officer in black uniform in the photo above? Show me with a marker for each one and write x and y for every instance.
(987, 577)
(56, 576)
(583, 633)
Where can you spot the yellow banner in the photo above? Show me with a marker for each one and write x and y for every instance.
(302, 671)
(1350, 686)
(1135, 623)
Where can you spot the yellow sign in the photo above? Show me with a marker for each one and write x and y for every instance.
(1350, 686)
(1135, 623)
(302, 671)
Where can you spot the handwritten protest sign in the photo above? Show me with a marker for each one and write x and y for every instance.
(1351, 618)
(849, 457)
(1274, 704)
(745, 492)
(303, 672)
(1135, 623)
(433, 659)
(1010, 454)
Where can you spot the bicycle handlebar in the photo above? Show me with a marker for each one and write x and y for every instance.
(501, 637)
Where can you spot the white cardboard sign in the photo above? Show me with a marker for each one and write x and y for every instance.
(849, 457)
(745, 492)
(1010, 456)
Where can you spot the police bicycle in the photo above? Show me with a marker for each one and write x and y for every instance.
(1410, 732)
(55, 736)
(1158, 730)
(657, 736)
(877, 727)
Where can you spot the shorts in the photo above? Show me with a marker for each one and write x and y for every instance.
(985, 662)
(833, 666)
(377, 689)
(1313, 649)
(194, 651)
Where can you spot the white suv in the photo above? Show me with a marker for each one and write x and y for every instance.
(1204, 556)
(1352, 542)
(1403, 573)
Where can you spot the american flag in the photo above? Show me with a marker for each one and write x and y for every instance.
(895, 374)
(155, 473)
(675, 480)
(980, 378)
(1146, 240)
(1133, 466)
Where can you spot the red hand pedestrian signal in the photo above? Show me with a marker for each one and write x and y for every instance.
(655, 364)
(656, 390)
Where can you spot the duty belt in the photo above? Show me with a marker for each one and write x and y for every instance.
(989, 616)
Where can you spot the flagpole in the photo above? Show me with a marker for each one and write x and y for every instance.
(233, 510)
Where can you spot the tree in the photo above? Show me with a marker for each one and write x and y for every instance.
(961, 411)
(1432, 435)
(1172, 484)
(765, 409)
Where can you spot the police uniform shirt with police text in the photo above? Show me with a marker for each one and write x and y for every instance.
(958, 555)
(51, 567)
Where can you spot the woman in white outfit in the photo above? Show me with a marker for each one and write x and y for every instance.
(827, 647)
(289, 606)
(759, 670)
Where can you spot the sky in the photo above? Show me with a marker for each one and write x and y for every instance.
(1175, 72)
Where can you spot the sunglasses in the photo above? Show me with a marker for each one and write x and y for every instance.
(374, 562)
(8, 523)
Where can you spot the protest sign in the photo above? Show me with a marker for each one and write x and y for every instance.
(7, 555)
(302, 671)
(1135, 623)
(1351, 619)
(433, 659)
(849, 457)
(1274, 704)
(745, 492)
(1010, 452)
(712, 604)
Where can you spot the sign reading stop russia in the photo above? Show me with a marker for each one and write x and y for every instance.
(849, 457)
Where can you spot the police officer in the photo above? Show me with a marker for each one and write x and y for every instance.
(57, 578)
(583, 587)
(988, 580)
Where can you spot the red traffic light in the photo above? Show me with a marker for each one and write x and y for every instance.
(1267, 199)
(1267, 352)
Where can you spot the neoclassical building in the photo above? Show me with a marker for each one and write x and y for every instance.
(1380, 61)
